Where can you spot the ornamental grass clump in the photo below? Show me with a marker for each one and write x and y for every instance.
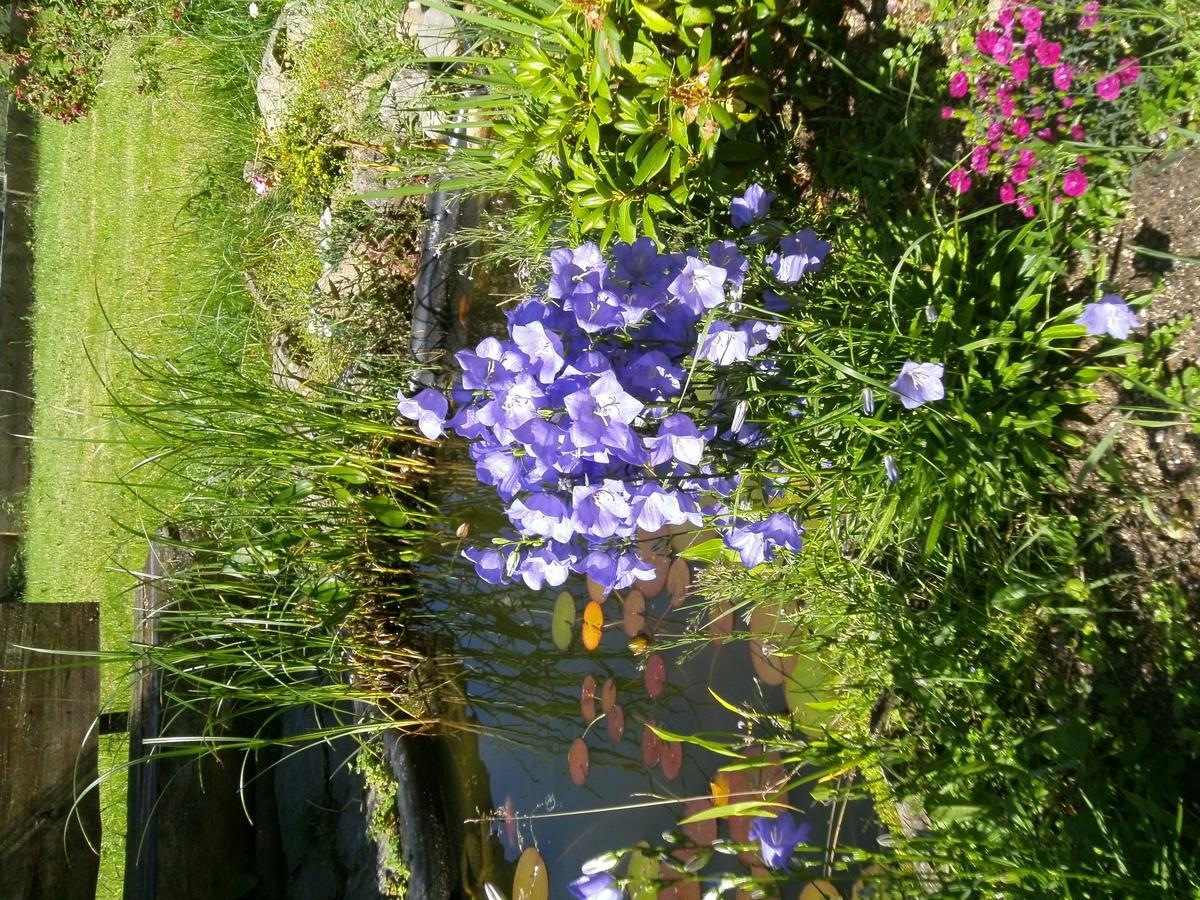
(1033, 81)
(619, 405)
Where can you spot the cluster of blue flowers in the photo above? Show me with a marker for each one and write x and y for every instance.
(587, 420)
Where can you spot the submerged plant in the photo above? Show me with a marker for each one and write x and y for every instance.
(618, 406)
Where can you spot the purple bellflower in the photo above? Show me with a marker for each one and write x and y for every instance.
(725, 345)
(599, 886)
(699, 286)
(777, 838)
(798, 254)
(752, 206)
(428, 409)
(919, 383)
(490, 564)
(1109, 315)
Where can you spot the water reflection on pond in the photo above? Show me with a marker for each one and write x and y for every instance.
(564, 754)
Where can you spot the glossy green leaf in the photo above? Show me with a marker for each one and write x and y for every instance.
(653, 162)
(562, 620)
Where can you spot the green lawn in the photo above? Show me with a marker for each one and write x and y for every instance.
(120, 265)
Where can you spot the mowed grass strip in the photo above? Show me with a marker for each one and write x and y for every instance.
(119, 267)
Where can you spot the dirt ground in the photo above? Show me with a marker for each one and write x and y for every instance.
(1161, 493)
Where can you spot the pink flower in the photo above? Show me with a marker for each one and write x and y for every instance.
(1025, 206)
(1007, 105)
(985, 41)
(947, 112)
(1020, 174)
(995, 131)
(1075, 183)
(1006, 18)
(1063, 76)
(1090, 16)
(960, 181)
(1048, 53)
(1128, 70)
(1045, 134)
(1020, 128)
(1077, 132)
(1020, 68)
(959, 85)
(1003, 50)
(1027, 158)
(1038, 112)
(980, 157)
(1008, 193)
(1068, 102)
(1031, 19)
(1108, 87)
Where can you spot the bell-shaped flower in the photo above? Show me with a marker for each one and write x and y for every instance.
(1109, 315)
(751, 206)
(759, 335)
(778, 837)
(428, 409)
(541, 515)
(605, 402)
(654, 377)
(919, 383)
(514, 405)
(699, 286)
(655, 507)
(549, 564)
(726, 255)
(601, 510)
(542, 348)
(679, 439)
(598, 886)
(724, 345)
(798, 254)
(490, 565)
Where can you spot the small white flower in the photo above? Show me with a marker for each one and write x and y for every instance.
(253, 10)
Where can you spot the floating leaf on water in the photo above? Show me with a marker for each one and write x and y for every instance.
(720, 625)
(805, 692)
(635, 613)
(596, 591)
(531, 881)
(577, 761)
(652, 587)
(651, 545)
(642, 873)
(767, 667)
(702, 831)
(655, 675)
(679, 579)
(820, 890)
(651, 746)
(677, 889)
(593, 625)
(868, 885)
(562, 620)
(587, 699)
(615, 722)
(672, 759)
(608, 696)
(641, 643)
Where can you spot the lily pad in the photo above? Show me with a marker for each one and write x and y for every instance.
(679, 579)
(651, 746)
(820, 890)
(577, 761)
(615, 722)
(704, 831)
(587, 699)
(531, 881)
(608, 696)
(672, 759)
(635, 613)
(642, 873)
(720, 625)
(593, 625)
(596, 591)
(562, 620)
(651, 545)
(805, 692)
(764, 625)
(655, 675)
(652, 587)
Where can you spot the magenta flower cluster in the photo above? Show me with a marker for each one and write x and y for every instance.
(586, 419)
(1030, 83)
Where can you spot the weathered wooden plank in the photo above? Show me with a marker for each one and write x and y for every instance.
(48, 705)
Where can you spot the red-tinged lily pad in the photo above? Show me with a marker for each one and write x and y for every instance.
(562, 620)
(596, 591)
(652, 746)
(587, 699)
(608, 696)
(679, 579)
(593, 625)
(652, 544)
(765, 626)
(615, 722)
(704, 832)
(820, 890)
(655, 675)
(577, 761)
(531, 881)
(677, 889)
(652, 587)
(672, 759)
(635, 613)
(720, 625)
